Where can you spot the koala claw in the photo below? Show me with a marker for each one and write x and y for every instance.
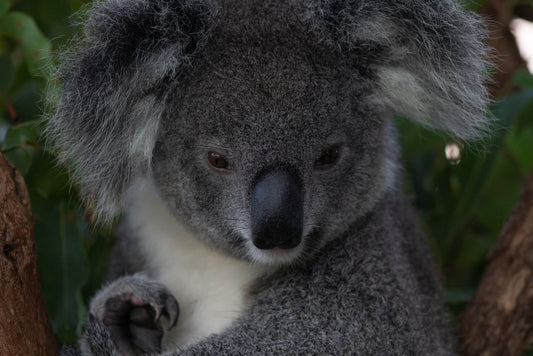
(137, 313)
(136, 324)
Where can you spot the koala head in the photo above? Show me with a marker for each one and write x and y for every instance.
(282, 157)
(266, 125)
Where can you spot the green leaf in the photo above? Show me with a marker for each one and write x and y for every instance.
(520, 145)
(47, 179)
(21, 157)
(54, 17)
(523, 78)
(7, 72)
(26, 99)
(525, 114)
(36, 47)
(18, 136)
(516, 107)
(4, 6)
(98, 249)
(63, 265)
(19, 145)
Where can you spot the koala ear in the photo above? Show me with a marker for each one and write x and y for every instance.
(430, 59)
(115, 80)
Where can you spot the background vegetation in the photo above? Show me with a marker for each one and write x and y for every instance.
(463, 201)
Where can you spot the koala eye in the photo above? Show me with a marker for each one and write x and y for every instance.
(216, 160)
(328, 158)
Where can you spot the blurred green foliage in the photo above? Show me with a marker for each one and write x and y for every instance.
(464, 201)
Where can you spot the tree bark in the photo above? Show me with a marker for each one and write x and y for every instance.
(499, 321)
(24, 325)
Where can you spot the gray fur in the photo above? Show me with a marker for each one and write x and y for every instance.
(431, 64)
(372, 292)
(115, 80)
(154, 85)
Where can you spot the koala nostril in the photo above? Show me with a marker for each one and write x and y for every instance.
(291, 243)
(263, 244)
(277, 210)
(277, 234)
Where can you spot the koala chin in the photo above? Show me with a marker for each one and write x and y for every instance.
(250, 148)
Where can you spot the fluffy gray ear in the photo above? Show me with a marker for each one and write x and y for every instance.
(429, 57)
(115, 79)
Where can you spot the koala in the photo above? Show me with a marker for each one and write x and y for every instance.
(248, 148)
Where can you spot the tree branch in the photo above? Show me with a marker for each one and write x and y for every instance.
(24, 325)
(499, 321)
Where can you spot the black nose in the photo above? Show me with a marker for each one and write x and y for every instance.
(277, 210)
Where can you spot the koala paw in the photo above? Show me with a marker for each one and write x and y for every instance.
(136, 312)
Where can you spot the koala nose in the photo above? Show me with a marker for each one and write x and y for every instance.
(277, 210)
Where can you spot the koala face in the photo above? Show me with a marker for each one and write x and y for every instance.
(268, 153)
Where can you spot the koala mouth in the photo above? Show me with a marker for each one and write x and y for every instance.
(277, 251)
(277, 256)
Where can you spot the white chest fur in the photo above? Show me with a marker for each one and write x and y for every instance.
(210, 287)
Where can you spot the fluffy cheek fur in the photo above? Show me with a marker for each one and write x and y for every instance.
(205, 200)
(367, 169)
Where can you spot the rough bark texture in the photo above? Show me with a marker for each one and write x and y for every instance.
(499, 321)
(24, 325)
